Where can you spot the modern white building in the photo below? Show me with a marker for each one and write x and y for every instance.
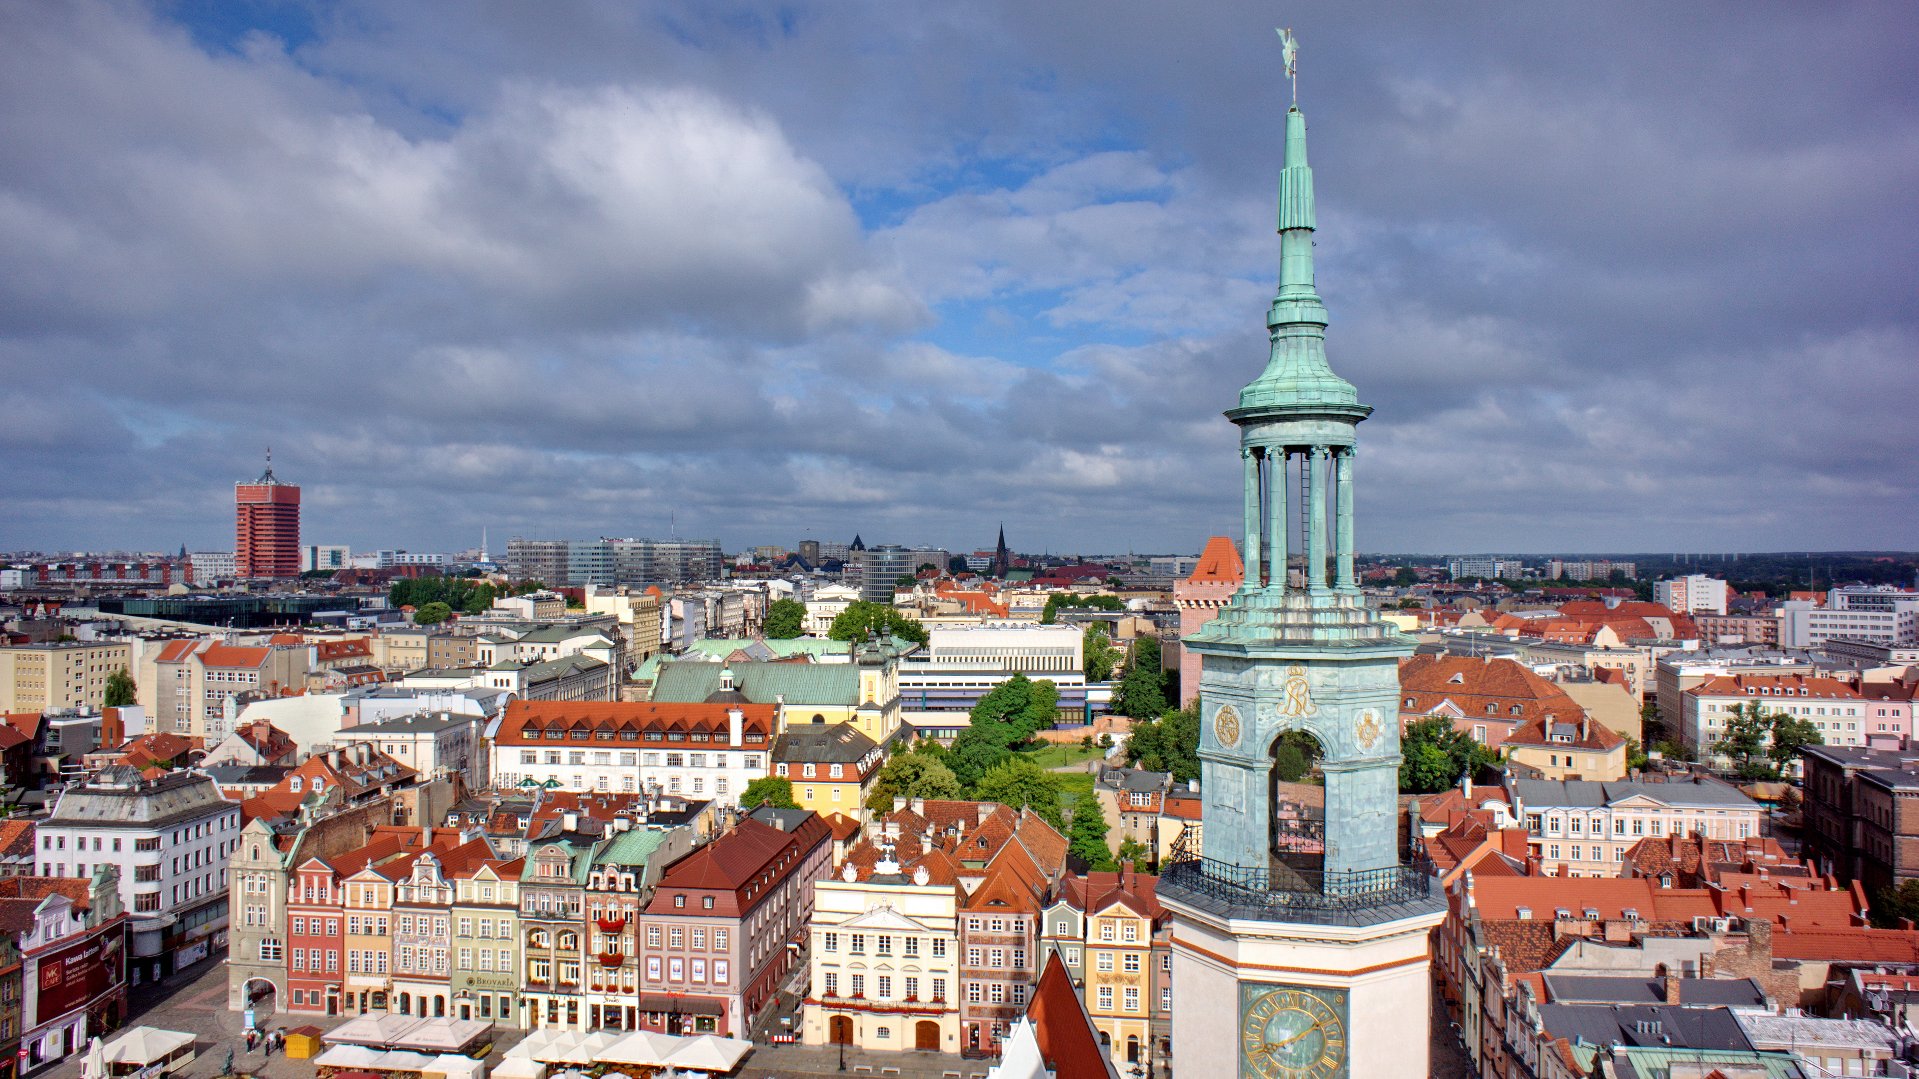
(1881, 615)
(170, 839)
(324, 556)
(940, 683)
(1694, 593)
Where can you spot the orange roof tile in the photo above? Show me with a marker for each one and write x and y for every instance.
(1219, 562)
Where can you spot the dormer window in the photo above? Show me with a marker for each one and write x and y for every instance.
(1525, 914)
(293, 784)
(1457, 680)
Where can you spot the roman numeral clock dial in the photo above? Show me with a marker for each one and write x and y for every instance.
(1293, 1033)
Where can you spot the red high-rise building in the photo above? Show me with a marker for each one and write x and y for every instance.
(266, 534)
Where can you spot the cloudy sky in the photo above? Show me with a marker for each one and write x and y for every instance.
(1615, 277)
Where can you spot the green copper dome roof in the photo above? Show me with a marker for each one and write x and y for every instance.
(1297, 376)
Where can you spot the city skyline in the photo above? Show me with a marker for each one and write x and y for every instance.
(809, 275)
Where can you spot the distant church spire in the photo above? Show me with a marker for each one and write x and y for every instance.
(1002, 558)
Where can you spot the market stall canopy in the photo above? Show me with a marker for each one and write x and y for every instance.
(454, 1066)
(142, 1046)
(709, 1052)
(518, 1067)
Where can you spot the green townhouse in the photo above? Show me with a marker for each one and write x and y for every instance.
(486, 941)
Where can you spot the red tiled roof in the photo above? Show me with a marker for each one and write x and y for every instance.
(1219, 562)
(77, 889)
(16, 838)
(1474, 684)
(175, 651)
(1587, 735)
(1773, 685)
(589, 717)
(1067, 1041)
(230, 655)
(1856, 944)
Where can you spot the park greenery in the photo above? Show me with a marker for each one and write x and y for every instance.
(775, 791)
(785, 619)
(462, 594)
(861, 619)
(1078, 602)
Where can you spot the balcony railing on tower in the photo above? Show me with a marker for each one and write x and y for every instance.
(1281, 891)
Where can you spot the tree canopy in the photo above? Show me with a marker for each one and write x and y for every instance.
(915, 773)
(458, 593)
(1167, 744)
(121, 691)
(1086, 835)
(1141, 692)
(432, 614)
(861, 618)
(1433, 756)
(1100, 655)
(1017, 782)
(1078, 601)
(785, 619)
(1013, 711)
(776, 791)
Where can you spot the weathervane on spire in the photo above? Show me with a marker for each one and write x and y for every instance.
(1291, 46)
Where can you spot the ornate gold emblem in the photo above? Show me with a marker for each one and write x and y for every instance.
(1299, 699)
(1368, 731)
(1226, 725)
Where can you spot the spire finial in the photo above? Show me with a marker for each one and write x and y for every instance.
(1290, 46)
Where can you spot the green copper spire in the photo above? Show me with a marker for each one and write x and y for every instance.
(1297, 377)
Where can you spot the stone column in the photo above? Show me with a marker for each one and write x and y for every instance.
(1343, 554)
(1276, 516)
(1316, 520)
(1252, 519)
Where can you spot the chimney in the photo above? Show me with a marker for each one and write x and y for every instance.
(1672, 988)
(1466, 784)
(570, 820)
(919, 806)
(1759, 940)
(426, 835)
(735, 719)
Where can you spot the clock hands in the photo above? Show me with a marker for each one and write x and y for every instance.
(1268, 1047)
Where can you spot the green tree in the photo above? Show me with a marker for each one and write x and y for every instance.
(1790, 735)
(956, 565)
(924, 566)
(1019, 783)
(1747, 730)
(1059, 600)
(1011, 712)
(1101, 656)
(973, 754)
(1141, 693)
(120, 689)
(1167, 744)
(1086, 835)
(775, 791)
(1889, 905)
(1433, 756)
(432, 614)
(1139, 854)
(481, 598)
(1404, 577)
(912, 775)
(861, 618)
(785, 619)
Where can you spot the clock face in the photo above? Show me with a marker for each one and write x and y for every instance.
(1226, 725)
(1288, 1032)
